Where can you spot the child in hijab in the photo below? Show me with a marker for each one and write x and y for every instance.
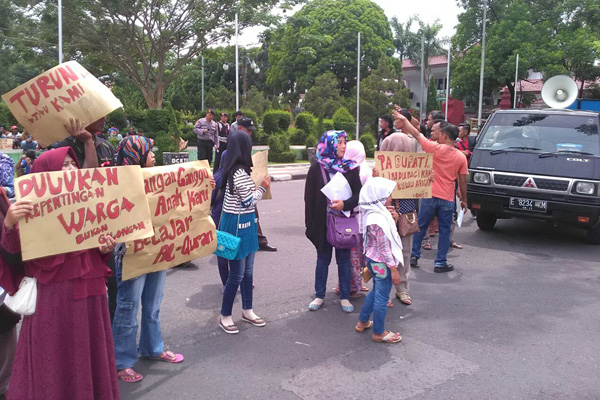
(146, 289)
(383, 251)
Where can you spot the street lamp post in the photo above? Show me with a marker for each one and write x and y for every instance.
(246, 63)
(482, 66)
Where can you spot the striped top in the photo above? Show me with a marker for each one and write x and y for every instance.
(245, 194)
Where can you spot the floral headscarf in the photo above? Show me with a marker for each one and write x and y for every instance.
(134, 150)
(327, 153)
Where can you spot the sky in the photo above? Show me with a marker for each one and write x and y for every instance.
(427, 10)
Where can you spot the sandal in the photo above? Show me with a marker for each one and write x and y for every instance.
(168, 356)
(364, 289)
(129, 375)
(359, 328)
(427, 245)
(389, 337)
(355, 295)
(456, 245)
(390, 304)
(404, 298)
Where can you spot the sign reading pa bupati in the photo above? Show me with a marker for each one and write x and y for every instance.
(72, 210)
(179, 197)
(45, 103)
(410, 171)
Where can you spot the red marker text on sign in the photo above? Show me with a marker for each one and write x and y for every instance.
(103, 211)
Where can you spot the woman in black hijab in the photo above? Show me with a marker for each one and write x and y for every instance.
(238, 218)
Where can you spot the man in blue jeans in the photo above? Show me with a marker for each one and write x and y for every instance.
(449, 164)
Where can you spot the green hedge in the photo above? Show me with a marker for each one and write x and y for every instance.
(306, 122)
(6, 117)
(279, 149)
(311, 141)
(276, 121)
(297, 136)
(327, 126)
(119, 118)
(344, 121)
(369, 142)
(259, 137)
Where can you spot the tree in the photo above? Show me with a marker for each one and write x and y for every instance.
(220, 98)
(379, 92)
(432, 101)
(405, 41)
(324, 97)
(550, 36)
(151, 41)
(322, 37)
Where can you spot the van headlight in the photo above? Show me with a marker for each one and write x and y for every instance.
(482, 178)
(588, 188)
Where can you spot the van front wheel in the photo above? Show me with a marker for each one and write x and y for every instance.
(486, 220)
(593, 234)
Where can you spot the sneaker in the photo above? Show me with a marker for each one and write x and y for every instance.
(414, 262)
(444, 268)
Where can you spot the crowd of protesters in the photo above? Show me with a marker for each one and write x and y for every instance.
(54, 361)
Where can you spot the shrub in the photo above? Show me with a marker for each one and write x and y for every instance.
(119, 118)
(279, 149)
(344, 121)
(276, 121)
(114, 141)
(327, 126)
(311, 141)
(306, 122)
(297, 136)
(369, 142)
(187, 133)
(6, 117)
(136, 117)
(247, 113)
(157, 120)
(260, 137)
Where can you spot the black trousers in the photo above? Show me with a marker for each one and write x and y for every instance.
(219, 152)
(205, 150)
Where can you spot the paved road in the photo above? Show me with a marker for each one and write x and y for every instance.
(518, 319)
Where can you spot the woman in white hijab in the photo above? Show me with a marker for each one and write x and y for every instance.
(383, 252)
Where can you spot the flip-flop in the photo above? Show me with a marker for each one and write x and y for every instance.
(427, 245)
(256, 322)
(129, 375)
(390, 304)
(168, 356)
(404, 298)
(456, 245)
(364, 289)
(389, 337)
(359, 328)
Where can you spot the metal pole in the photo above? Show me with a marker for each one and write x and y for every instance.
(422, 107)
(516, 79)
(60, 47)
(447, 84)
(482, 66)
(358, 89)
(244, 60)
(237, 67)
(203, 83)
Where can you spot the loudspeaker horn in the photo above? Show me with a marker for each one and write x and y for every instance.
(560, 91)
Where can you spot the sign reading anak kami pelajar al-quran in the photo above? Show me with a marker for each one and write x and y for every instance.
(410, 171)
(47, 102)
(179, 197)
(73, 210)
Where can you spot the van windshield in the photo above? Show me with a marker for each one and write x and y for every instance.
(541, 133)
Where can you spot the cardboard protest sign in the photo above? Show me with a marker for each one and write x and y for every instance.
(410, 171)
(45, 103)
(179, 197)
(260, 170)
(72, 210)
(6, 144)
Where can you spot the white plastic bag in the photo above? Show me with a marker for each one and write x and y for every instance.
(23, 302)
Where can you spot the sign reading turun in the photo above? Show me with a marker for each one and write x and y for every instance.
(410, 171)
(45, 104)
(179, 197)
(73, 210)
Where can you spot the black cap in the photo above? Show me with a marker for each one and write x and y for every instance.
(211, 110)
(238, 113)
(247, 123)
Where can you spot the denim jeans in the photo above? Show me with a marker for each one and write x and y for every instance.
(240, 273)
(342, 257)
(376, 301)
(223, 264)
(444, 210)
(149, 289)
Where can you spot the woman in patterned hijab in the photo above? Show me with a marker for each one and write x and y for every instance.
(136, 150)
(328, 154)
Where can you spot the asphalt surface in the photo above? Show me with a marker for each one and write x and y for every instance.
(519, 318)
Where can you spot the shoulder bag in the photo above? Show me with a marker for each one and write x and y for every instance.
(342, 231)
(24, 300)
(228, 245)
